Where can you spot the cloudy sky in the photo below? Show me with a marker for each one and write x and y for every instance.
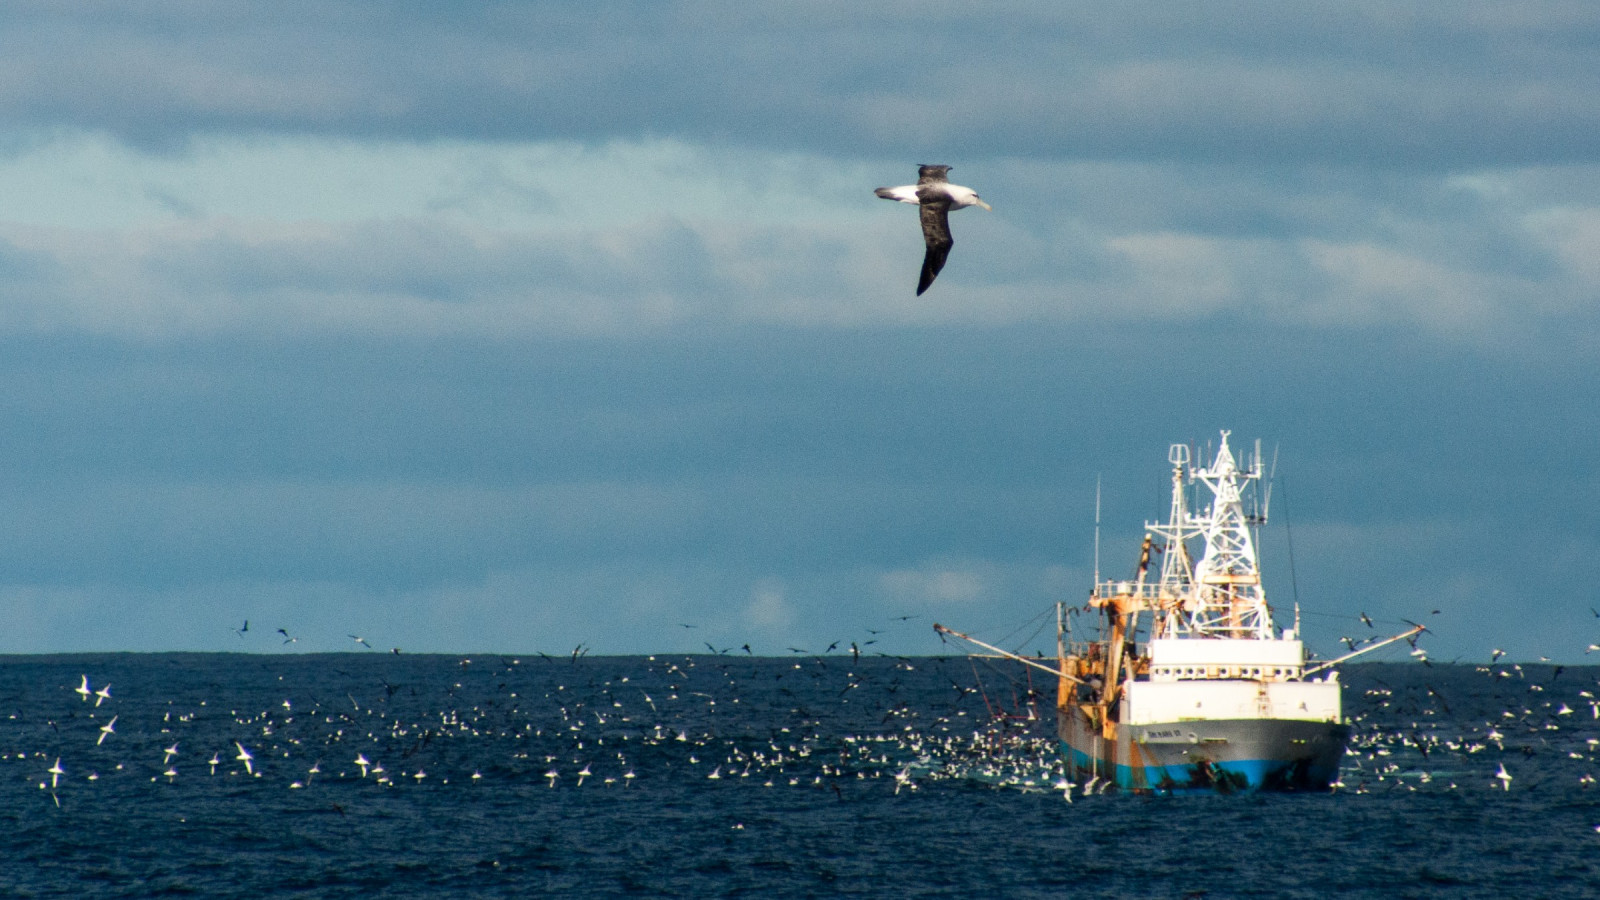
(520, 326)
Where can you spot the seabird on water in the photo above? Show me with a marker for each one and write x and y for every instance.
(936, 196)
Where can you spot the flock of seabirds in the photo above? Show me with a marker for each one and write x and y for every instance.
(841, 722)
(619, 723)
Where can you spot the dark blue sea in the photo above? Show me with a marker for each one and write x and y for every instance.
(491, 776)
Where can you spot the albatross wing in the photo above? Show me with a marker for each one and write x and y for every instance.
(936, 234)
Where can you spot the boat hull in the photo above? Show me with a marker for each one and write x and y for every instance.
(1204, 756)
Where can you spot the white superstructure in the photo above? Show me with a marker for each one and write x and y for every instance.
(1221, 594)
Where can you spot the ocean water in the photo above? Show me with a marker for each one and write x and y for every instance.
(710, 775)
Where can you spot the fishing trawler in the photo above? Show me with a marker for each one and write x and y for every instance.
(1190, 686)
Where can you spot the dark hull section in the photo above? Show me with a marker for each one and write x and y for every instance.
(1222, 755)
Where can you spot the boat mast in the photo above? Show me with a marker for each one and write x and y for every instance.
(1176, 565)
(1227, 601)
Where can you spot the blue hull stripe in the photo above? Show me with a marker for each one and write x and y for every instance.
(1229, 775)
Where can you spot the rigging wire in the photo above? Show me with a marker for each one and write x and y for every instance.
(1039, 621)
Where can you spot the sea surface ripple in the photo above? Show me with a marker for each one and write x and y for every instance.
(720, 775)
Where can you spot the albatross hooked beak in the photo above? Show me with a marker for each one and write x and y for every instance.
(985, 206)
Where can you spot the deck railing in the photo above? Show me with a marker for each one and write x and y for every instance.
(1149, 592)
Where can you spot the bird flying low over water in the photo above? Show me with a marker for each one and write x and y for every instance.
(936, 196)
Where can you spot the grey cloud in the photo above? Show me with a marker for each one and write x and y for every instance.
(1491, 259)
(1368, 83)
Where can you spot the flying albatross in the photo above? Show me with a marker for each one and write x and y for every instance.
(936, 196)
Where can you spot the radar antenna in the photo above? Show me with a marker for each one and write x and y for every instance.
(1096, 530)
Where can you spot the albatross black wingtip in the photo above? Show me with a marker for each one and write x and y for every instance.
(930, 271)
